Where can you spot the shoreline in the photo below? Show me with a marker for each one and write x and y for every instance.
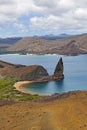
(19, 86)
(40, 54)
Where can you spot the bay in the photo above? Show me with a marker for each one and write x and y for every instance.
(75, 72)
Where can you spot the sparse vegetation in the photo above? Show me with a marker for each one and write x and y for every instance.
(7, 91)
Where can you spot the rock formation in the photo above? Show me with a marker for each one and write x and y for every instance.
(35, 72)
(21, 73)
(58, 73)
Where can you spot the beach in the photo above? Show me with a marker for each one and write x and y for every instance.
(19, 86)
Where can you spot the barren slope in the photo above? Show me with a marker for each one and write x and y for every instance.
(65, 113)
(35, 45)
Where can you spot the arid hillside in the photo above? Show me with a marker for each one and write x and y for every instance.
(7, 42)
(35, 45)
(60, 112)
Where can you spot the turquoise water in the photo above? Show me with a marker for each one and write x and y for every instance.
(75, 71)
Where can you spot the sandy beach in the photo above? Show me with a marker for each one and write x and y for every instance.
(19, 86)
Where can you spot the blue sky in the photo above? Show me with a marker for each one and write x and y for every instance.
(42, 17)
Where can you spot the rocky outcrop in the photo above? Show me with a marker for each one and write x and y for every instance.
(59, 69)
(21, 73)
(35, 72)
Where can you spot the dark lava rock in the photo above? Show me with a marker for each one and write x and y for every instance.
(58, 73)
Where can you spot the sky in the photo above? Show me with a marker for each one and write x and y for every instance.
(42, 17)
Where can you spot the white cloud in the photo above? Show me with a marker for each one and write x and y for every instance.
(45, 23)
(81, 13)
(12, 9)
(62, 15)
(56, 14)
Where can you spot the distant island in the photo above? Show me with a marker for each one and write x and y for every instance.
(63, 44)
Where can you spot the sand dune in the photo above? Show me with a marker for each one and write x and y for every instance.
(69, 113)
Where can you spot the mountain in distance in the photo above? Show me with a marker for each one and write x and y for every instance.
(11, 40)
(72, 45)
(7, 42)
(55, 37)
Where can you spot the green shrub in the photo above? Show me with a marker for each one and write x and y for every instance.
(7, 90)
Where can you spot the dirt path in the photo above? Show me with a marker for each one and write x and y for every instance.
(68, 113)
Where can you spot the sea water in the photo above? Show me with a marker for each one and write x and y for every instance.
(75, 72)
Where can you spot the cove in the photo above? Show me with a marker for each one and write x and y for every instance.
(75, 71)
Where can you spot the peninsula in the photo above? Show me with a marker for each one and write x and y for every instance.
(30, 74)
